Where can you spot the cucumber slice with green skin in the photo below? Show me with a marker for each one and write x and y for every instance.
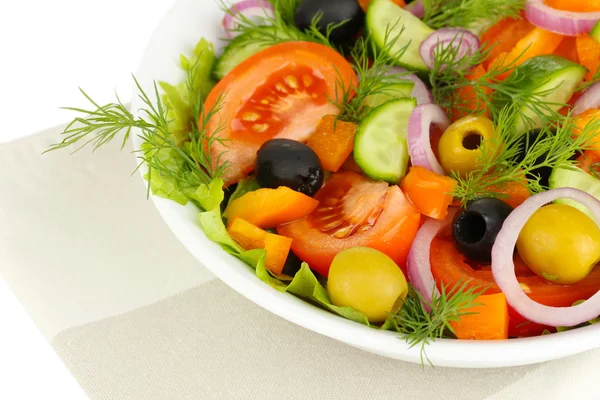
(553, 78)
(239, 49)
(400, 90)
(385, 20)
(578, 179)
(380, 146)
(595, 33)
(249, 43)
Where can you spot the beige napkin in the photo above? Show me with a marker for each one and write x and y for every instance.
(134, 316)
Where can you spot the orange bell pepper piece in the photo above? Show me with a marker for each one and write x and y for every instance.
(504, 36)
(588, 52)
(333, 142)
(535, 43)
(514, 193)
(430, 193)
(267, 208)
(591, 116)
(252, 237)
(489, 320)
(467, 96)
(575, 5)
(568, 49)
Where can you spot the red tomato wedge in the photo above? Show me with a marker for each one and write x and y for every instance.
(354, 211)
(449, 266)
(282, 91)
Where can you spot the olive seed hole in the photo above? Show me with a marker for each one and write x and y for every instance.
(472, 227)
(472, 141)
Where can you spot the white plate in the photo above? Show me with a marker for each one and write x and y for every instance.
(179, 31)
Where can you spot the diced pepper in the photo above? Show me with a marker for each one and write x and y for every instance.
(504, 36)
(267, 208)
(333, 141)
(430, 193)
(252, 237)
(591, 116)
(489, 320)
(515, 193)
(568, 49)
(588, 52)
(575, 5)
(468, 103)
(535, 43)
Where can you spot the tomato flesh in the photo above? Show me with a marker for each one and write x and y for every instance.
(283, 91)
(354, 211)
(449, 266)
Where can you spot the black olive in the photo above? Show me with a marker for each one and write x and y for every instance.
(334, 12)
(292, 265)
(527, 141)
(285, 162)
(475, 228)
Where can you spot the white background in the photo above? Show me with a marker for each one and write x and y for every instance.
(48, 49)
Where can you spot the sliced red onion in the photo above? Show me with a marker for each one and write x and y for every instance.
(503, 267)
(418, 261)
(416, 8)
(589, 99)
(420, 90)
(419, 136)
(567, 23)
(463, 40)
(258, 11)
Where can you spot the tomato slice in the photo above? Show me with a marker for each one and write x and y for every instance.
(449, 266)
(282, 91)
(354, 211)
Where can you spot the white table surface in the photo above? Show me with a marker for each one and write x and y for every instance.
(48, 49)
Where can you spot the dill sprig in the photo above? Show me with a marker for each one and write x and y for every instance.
(499, 164)
(279, 28)
(470, 14)
(422, 322)
(190, 164)
(449, 77)
(373, 69)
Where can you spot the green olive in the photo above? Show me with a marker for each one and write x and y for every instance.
(459, 147)
(367, 280)
(560, 243)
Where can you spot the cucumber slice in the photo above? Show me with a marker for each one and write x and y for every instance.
(235, 52)
(400, 90)
(380, 147)
(578, 179)
(595, 33)
(554, 78)
(385, 20)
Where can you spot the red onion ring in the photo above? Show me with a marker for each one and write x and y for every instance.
(503, 267)
(589, 99)
(418, 262)
(420, 90)
(419, 136)
(567, 23)
(256, 10)
(416, 8)
(463, 40)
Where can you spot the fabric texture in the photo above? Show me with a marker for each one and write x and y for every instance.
(134, 316)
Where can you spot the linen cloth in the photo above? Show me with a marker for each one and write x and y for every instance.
(134, 316)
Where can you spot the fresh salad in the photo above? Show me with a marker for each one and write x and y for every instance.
(431, 168)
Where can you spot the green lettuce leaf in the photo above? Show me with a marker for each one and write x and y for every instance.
(164, 185)
(177, 98)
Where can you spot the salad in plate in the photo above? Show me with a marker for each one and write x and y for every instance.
(431, 168)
